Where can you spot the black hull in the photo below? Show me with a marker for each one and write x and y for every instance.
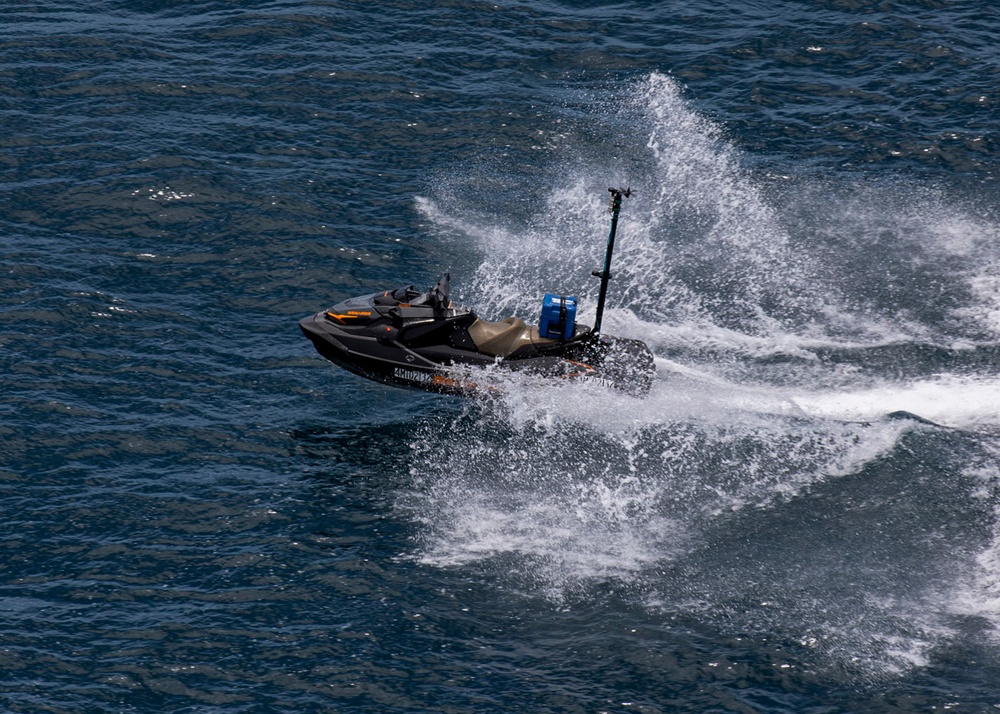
(622, 364)
(387, 363)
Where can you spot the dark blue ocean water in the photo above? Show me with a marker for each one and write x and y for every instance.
(201, 515)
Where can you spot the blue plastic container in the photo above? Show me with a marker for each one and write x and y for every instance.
(558, 317)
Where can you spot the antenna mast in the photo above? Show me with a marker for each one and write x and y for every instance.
(605, 275)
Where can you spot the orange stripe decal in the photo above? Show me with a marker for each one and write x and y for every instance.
(349, 315)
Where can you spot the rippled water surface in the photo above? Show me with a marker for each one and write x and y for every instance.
(201, 514)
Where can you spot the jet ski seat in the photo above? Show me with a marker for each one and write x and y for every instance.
(505, 337)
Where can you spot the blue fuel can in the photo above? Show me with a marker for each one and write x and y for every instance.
(558, 320)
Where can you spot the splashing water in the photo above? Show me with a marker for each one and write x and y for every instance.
(785, 339)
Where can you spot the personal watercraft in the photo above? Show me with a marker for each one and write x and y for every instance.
(411, 338)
